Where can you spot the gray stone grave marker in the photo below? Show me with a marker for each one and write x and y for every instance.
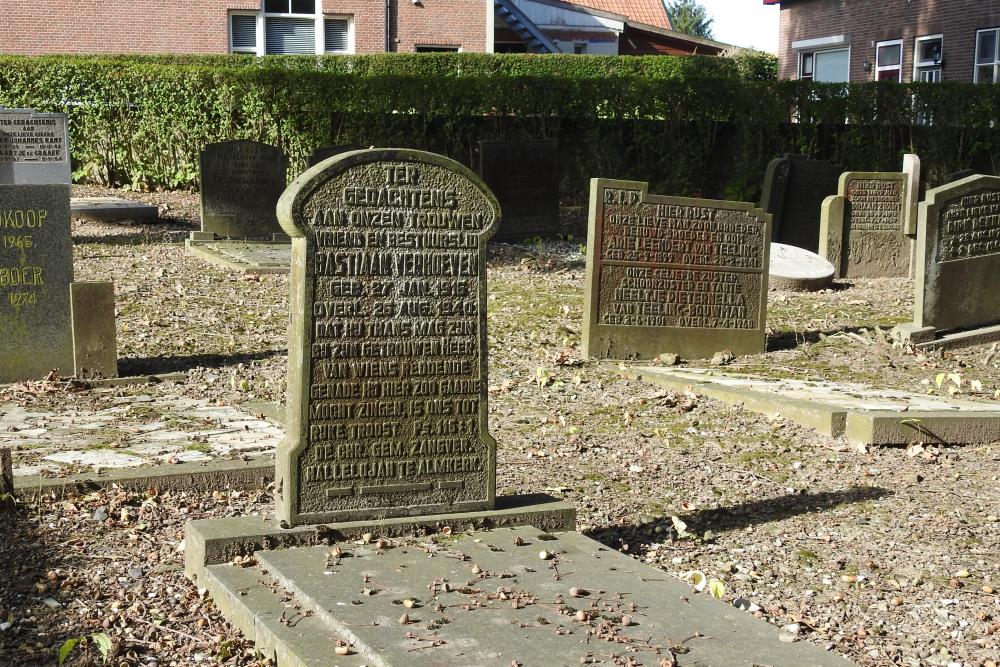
(95, 344)
(36, 268)
(6, 470)
(798, 270)
(673, 274)
(524, 176)
(794, 189)
(387, 400)
(958, 261)
(241, 182)
(34, 148)
(326, 152)
(863, 228)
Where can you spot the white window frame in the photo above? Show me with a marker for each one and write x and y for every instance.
(319, 28)
(814, 52)
(889, 68)
(233, 49)
(918, 64)
(996, 57)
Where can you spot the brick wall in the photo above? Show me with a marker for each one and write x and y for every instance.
(866, 22)
(201, 26)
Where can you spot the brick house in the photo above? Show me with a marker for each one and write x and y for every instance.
(889, 40)
(342, 26)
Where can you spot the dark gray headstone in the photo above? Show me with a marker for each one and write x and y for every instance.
(794, 189)
(241, 182)
(36, 268)
(327, 152)
(673, 275)
(387, 400)
(958, 259)
(34, 148)
(524, 176)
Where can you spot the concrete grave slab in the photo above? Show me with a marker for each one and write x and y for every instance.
(250, 257)
(793, 192)
(524, 176)
(240, 185)
(956, 301)
(487, 599)
(34, 148)
(673, 274)
(112, 209)
(861, 413)
(95, 343)
(863, 227)
(797, 269)
(36, 269)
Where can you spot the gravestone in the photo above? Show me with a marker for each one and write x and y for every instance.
(112, 209)
(863, 228)
(95, 345)
(524, 176)
(672, 274)
(797, 270)
(387, 343)
(326, 152)
(34, 148)
(36, 268)
(241, 182)
(911, 167)
(958, 261)
(6, 470)
(794, 189)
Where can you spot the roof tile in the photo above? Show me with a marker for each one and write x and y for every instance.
(650, 12)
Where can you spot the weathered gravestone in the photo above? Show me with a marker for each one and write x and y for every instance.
(794, 189)
(34, 148)
(241, 182)
(797, 270)
(36, 268)
(911, 203)
(863, 228)
(524, 176)
(387, 349)
(672, 274)
(958, 261)
(327, 152)
(95, 344)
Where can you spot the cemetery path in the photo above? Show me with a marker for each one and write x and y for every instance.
(887, 555)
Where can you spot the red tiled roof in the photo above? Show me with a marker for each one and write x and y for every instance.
(650, 12)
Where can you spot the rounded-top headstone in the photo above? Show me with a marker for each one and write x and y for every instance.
(798, 270)
(387, 381)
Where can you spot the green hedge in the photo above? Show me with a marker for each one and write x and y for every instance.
(689, 125)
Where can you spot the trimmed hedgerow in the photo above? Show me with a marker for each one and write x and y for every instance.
(689, 125)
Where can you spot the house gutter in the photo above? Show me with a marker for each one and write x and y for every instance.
(388, 16)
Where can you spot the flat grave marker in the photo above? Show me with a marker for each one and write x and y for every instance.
(793, 193)
(956, 300)
(863, 228)
(524, 176)
(36, 268)
(387, 347)
(34, 148)
(241, 182)
(798, 270)
(673, 274)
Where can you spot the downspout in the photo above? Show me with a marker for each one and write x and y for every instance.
(388, 30)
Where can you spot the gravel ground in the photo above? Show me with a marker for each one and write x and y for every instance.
(887, 555)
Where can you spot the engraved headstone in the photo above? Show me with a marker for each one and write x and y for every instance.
(387, 389)
(958, 261)
(794, 189)
(673, 274)
(241, 182)
(326, 152)
(36, 268)
(524, 176)
(863, 228)
(34, 148)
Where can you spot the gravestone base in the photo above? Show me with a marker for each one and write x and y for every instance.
(924, 338)
(112, 209)
(250, 257)
(214, 541)
(485, 599)
(861, 414)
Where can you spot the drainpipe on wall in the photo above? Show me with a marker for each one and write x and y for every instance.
(388, 30)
